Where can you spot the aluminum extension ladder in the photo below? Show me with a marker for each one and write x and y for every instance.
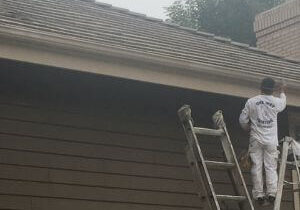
(200, 166)
(287, 145)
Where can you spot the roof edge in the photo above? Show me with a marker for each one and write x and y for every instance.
(76, 55)
(86, 47)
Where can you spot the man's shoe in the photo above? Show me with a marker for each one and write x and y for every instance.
(271, 199)
(261, 200)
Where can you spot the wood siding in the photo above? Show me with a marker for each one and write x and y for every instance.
(78, 141)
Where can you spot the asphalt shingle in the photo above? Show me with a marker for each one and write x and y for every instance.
(109, 26)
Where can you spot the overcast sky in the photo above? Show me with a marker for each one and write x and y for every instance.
(152, 8)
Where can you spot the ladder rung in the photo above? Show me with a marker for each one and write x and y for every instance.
(231, 197)
(219, 165)
(292, 163)
(209, 132)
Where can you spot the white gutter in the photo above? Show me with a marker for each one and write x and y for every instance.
(50, 42)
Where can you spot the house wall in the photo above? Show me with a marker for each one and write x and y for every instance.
(82, 141)
(277, 30)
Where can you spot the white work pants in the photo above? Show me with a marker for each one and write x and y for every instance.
(266, 155)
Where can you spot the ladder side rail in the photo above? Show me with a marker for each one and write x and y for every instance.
(184, 114)
(236, 173)
(196, 150)
(286, 145)
(296, 164)
(296, 186)
(196, 156)
(205, 169)
(198, 178)
(296, 191)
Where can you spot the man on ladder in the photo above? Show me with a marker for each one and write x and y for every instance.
(260, 118)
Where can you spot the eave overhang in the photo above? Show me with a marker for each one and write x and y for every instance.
(79, 55)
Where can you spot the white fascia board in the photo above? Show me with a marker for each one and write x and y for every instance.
(80, 55)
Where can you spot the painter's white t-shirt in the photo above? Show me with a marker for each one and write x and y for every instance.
(262, 112)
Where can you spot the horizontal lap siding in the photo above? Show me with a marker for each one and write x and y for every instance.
(53, 159)
(79, 142)
(60, 160)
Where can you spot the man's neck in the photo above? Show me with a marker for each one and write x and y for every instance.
(262, 93)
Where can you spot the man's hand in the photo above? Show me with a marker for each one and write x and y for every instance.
(282, 86)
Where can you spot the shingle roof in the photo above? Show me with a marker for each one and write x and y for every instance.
(109, 26)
